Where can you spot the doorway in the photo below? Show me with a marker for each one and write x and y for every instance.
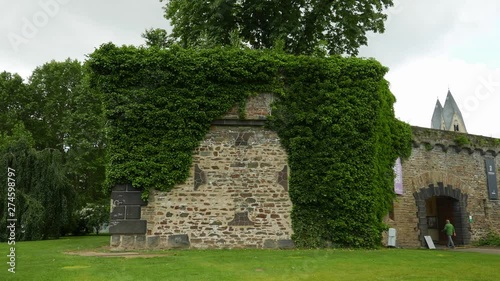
(435, 205)
(438, 210)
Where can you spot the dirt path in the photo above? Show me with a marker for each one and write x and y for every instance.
(485, 250)
(115, 254)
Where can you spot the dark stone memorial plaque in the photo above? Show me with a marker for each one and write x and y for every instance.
(133, 212)
(118, 213)
(127, 227)
(127, 198)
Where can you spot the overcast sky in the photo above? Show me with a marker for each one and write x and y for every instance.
(429, 46)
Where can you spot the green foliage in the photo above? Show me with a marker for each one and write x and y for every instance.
(91, 217)
(491, 239)
(52, 88)
(60, 111)
(53, 125)
(306, 27)
(334, 117)
(13, 101)
(157, 37)
(337, 124)
(160, 103)
(462, 140)
(428, 146)
(43, 198)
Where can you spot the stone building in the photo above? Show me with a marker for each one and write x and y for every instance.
(237, 195)
(447, 177)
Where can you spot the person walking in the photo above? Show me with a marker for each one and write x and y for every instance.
(449, 229)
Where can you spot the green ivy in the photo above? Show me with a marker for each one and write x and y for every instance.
(334, 117)
(337, 124)
(462, 140)
(160, 103)
(428, 146)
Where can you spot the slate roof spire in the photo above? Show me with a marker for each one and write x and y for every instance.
(448, 117)
(437, 116)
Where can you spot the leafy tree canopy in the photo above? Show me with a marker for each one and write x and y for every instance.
(65, 124)
(338, 27)
(157, 37)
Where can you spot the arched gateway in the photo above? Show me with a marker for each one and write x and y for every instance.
(437, 203)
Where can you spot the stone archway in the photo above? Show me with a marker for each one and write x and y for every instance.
(459, 210)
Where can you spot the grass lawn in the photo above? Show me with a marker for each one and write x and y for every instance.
(46, 260)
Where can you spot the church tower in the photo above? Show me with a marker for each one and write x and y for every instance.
(448, 117)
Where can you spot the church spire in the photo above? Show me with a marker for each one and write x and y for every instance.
(448, 117)
(437, 116)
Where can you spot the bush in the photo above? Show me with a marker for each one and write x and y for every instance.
(90, 218)
(491, 239)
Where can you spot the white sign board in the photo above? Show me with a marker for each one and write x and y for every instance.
(430, 243)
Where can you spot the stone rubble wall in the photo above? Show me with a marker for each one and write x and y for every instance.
(237, 195)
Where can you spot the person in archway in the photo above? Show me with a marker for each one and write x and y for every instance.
(449, 229)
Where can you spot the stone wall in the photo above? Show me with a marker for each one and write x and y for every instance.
(237, 195)
(440, 167)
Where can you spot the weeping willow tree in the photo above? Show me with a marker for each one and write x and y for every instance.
(42, 197)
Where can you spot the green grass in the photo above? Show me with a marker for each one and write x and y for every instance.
(46, 260)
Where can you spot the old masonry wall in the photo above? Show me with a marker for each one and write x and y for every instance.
(237, 193)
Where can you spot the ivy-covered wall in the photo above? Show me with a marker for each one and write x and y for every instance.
(337, 124)
(334, 117)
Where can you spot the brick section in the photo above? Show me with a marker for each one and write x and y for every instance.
(256, 108)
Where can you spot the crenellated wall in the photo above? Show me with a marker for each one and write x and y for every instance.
(446, 165)
(237, 193)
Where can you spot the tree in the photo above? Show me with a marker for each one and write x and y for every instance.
(53, 87)
(92, 217)
(68, 117)
(64, 160)
(304, 25)
(43, 199)
(13, 101)
(157, 37)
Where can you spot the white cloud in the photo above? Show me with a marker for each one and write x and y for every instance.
(428, 45)
(73, 30)
(432, 45)
(419, 83)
